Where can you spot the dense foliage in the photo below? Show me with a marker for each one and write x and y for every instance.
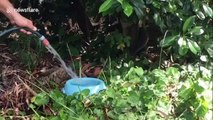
(137, 89)
(136, 94)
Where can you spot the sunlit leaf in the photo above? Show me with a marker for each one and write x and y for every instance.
(172, 71)
(85, 92)
(208, 10)
(32, 106)
(127, 8)
(57, 96)
(134, 74)
(188, 24)
(185, 93)
(120, 1)
(206, 73)
(40, 99)
(168, 41)
(181, 41)
(200, 15)
(159, 93)
(139, 71)
(121, 103)
(199, 88)
(193, 46)
(202, 109)
(209, 48)
(204, 58)
(133, 98)
(105, 6)
(110, 92)
(197, 30)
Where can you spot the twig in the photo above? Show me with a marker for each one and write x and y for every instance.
(5, 57)
(18, 117)
(31, 90)
(162, 114)
(53, 112)
(105, 113)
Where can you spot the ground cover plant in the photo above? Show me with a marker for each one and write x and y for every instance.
(154, 56)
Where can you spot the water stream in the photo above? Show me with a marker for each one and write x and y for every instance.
(63, 64)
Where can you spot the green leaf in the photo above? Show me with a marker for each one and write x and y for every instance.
(32, 106)
(208, 10)
(139, 8)
(185, 92)
(152, 115)
(168, 41)
(181, 41)
(74, 51)
(40, 99)
(193, 46)
(134, 74)
(200, 86)
(159, 20)
(120, 1)
(204, 58)
(139, 12)
(105, 6)
(127, 8)
(202, 109)
(159, 93)
(200, 15)
(54, 118)
(172, 71)
(183, 50)
(197, 30)
(1, 118)
(139, 71)
(110, 92)
(209, 48)
(63, 115)
(133, 98)
(85, 92)
(57, 96)
(121, 103)
(188, 24)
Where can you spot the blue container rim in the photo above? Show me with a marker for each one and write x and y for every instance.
(86, 81)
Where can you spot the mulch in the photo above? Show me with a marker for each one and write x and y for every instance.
(17, 83)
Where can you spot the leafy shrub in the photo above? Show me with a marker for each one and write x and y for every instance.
(159, 94)
(187, 22)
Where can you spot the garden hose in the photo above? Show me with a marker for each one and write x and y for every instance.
(40, 36)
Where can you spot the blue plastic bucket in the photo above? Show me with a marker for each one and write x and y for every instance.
(78, 84)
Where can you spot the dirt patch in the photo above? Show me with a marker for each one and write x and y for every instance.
(16, 82)
(14, 93)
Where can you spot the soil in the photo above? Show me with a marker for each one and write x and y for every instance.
(18, 85)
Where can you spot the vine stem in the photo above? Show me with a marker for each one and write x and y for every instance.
(161, 50)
